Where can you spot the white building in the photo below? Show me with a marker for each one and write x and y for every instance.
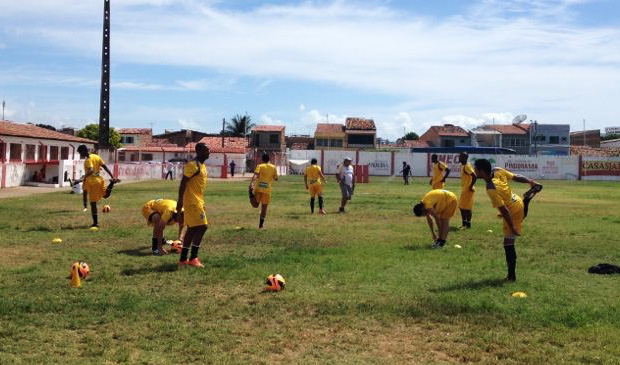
(37, 156)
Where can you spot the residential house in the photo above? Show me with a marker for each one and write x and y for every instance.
(33, 154)
(513, 136)
(360, 133)
(548, 139)
(447, 135)
(135, 136)
(591, 138)
(181, 138)
(303, 142)
(329, 136)
(269, 138)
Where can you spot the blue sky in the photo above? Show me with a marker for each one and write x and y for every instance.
(406, 64)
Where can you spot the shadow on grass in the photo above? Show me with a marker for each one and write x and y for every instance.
(470, 285)
(413, 247)
(140, 251)
(169, 267)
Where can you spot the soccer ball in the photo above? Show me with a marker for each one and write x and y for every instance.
(275, 282)
(82, 269)
(106, 209)
(176, 246)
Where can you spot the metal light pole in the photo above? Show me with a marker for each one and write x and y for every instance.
(3, 105)
(104, 101)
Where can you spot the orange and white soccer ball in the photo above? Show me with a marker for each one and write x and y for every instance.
(176, 246)
(275, 282)
(106, 209)
(82, 269)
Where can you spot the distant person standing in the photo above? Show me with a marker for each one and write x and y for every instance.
(406, 171)
(346, 180)
(232, 168)
(440, 173)
(169, 168)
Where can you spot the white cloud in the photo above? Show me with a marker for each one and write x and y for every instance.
(266, 119)
(521, 55)
(302, 108)
(188, 124)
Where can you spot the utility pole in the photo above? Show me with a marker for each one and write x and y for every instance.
(3, 105)
(223, 128)
(104, 102)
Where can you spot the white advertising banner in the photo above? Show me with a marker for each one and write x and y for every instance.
(600, 168)
(335, 158)
(379, 163)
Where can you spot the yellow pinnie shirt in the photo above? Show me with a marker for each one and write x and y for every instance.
(499, 190)
(438, 170)
(438, 199)
(313, 172)
(466, 176)
(165, 208)
(196, 183)
(94, 163)
(267, 174)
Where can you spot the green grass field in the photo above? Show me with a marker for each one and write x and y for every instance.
(361, 288)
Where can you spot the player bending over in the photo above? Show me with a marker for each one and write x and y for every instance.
(468, 180)
(160, 213)
(93, 183)
(314, 178)
(260, 187)
(191, 202)
(440, 173)
(512, 208)
(441, 206)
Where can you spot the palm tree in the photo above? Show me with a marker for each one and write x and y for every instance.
(239, 125)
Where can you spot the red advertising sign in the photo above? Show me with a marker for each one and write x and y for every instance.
(601, 168)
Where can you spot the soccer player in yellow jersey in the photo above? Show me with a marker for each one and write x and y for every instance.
(440, 173)
(160, 213)
(94, 185)
(512, 208)
(468, 180)
(191, 201)
(260, 186)
(314, 180)
(441, 206)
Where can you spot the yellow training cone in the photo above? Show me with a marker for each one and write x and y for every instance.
(75, 276)
(238, 228)
(457, 246)
(56, 240)
(490, 231)
(519, 294)
(94, 229)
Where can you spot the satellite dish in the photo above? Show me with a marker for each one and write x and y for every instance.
(519, 119)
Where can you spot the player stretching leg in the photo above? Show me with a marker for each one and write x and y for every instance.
(160, 213)
(314, 178)
(191, 201)
(510, 205)
(441, 206)
(93, 183)
(260, 187)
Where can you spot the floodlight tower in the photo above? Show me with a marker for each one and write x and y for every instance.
(104, 102)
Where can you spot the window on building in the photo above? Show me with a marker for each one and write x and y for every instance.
(30, 151)
(64, 153)
(462, 141)
(361, 139)
(563, 139)
(53, 153)
(274, 138)
(42, 152)
(2, 152)
(541, 138)
(554, 139)
(447, 143)
(335, 143)
(16, 152)
(121, 155)
(147, 157)
(256, 140)
(320, 142)
(134, 157)
(127, 140)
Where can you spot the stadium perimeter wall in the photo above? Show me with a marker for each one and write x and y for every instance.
(537, 167)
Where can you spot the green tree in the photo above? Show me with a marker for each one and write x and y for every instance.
(608, 136)
(46, 126)
(411, 136)
(239, 125)
(91, 131)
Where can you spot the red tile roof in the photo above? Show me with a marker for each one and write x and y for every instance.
(416, 144)
(299, 146)
(450, 131)
(268, 128)
(326, 128)
(156, 149)
(28, 130)
(135, 131)
(360, 123)
(231, 144)
(506, 129)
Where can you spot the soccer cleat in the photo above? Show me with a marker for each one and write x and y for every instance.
(183, 264)
(533, 191)
(85, 210)
(509, 280)
(341, 210)
(195, 263)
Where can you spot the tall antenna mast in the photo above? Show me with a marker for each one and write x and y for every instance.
(3, 105)
(104, 102)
